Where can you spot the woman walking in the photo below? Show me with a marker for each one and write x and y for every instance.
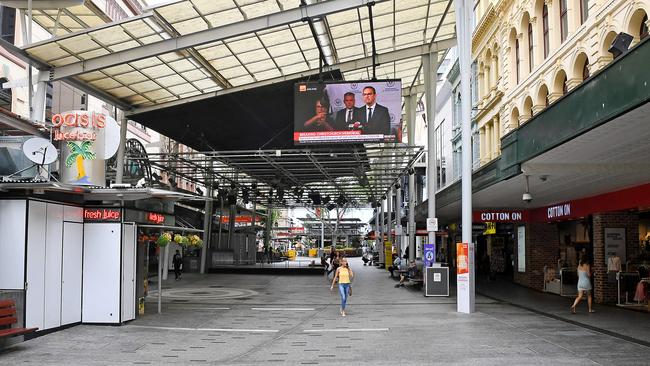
(344, 275)
(584, 284)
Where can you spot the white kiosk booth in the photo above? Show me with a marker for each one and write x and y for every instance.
(74, 264)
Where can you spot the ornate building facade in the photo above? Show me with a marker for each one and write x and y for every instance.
(530, 53)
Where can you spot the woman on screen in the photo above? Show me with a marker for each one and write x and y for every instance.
(321, 121)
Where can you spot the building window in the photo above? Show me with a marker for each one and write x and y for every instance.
(545, 29)
(5, 96)
(8, 23)
(517, 59)
(585, 70)
(530, 47)
(584, 11)
(643, 29)
(564, 20)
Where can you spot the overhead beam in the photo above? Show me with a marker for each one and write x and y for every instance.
(392, 56)
(209, 36)
(43, 67)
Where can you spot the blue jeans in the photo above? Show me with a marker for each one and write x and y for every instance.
(343, 291)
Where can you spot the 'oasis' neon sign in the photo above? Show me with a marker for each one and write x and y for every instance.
(82, 126)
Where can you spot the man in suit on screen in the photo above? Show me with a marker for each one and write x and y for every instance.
(374, 117)
(348, 117)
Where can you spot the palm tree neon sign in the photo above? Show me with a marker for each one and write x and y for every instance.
(79, 153)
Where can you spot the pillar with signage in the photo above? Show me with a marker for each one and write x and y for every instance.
(87, 140)
(465, 277)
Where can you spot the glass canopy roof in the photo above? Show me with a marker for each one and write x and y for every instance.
(241, 61)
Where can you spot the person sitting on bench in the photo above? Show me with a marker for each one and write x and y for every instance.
(411, 273)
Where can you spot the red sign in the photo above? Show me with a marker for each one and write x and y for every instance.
(500, 216)
(241, 219)
(156, 218)
(102, 214)
(462, 258)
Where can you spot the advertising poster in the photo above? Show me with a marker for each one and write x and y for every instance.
(615, 243)
(462, 258)
(429, 255)
(347, 112)
(521, 248)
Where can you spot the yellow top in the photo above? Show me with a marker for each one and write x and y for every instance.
(344, 275)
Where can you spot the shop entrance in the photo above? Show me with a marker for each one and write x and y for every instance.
(495, 251)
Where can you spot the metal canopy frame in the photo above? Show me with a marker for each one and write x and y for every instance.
(187, 49)
(359, 174)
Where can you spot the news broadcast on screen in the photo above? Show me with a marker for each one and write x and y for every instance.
(347, 112)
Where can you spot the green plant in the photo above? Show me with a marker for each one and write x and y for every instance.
(164, 239)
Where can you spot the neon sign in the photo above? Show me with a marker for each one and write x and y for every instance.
(81, 126)
(155, 218)
(102, 214)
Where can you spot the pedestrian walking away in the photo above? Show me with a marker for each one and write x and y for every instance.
(584, 285)
(344, 276)
(177, 261)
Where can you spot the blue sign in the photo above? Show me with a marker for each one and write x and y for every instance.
(429, 254)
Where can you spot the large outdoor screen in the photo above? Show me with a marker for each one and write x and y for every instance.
(347, 112)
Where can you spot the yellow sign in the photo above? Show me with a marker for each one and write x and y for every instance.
(490, 228)
(388, 254)
(291, 254)
(313, 252)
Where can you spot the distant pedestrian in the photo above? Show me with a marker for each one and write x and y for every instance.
(323, 262)
(344, 276)
(177, 261)
(584, 284)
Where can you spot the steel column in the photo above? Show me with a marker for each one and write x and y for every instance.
(410, 115)
(121, 151)
(430, 66)
(463, 14)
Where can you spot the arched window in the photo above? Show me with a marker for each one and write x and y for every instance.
(530, 47)
(584, 11)
(545, 29)
(585, 70)
(564, 20)
(643, 28)
(517, 59)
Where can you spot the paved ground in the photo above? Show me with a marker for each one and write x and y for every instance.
(253, 319)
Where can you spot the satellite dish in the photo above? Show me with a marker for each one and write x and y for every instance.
(40, 151)
(111, 139)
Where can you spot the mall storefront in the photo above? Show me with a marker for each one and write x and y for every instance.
(611, 231)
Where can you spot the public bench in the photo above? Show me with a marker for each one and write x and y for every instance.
(8, 318)
(417, 281)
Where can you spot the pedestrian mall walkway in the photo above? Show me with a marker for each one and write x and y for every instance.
(225, 319)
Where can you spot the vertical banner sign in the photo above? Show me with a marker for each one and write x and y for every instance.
(429, 255)
(465, 277)
(521, 248)
(388, 254)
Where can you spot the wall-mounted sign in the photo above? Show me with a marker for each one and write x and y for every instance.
(155, 218)
(521, 248)
(103, 214)
(490, 228)
(87, 139)
(499, 216)
(558, 211)
(615, 243)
